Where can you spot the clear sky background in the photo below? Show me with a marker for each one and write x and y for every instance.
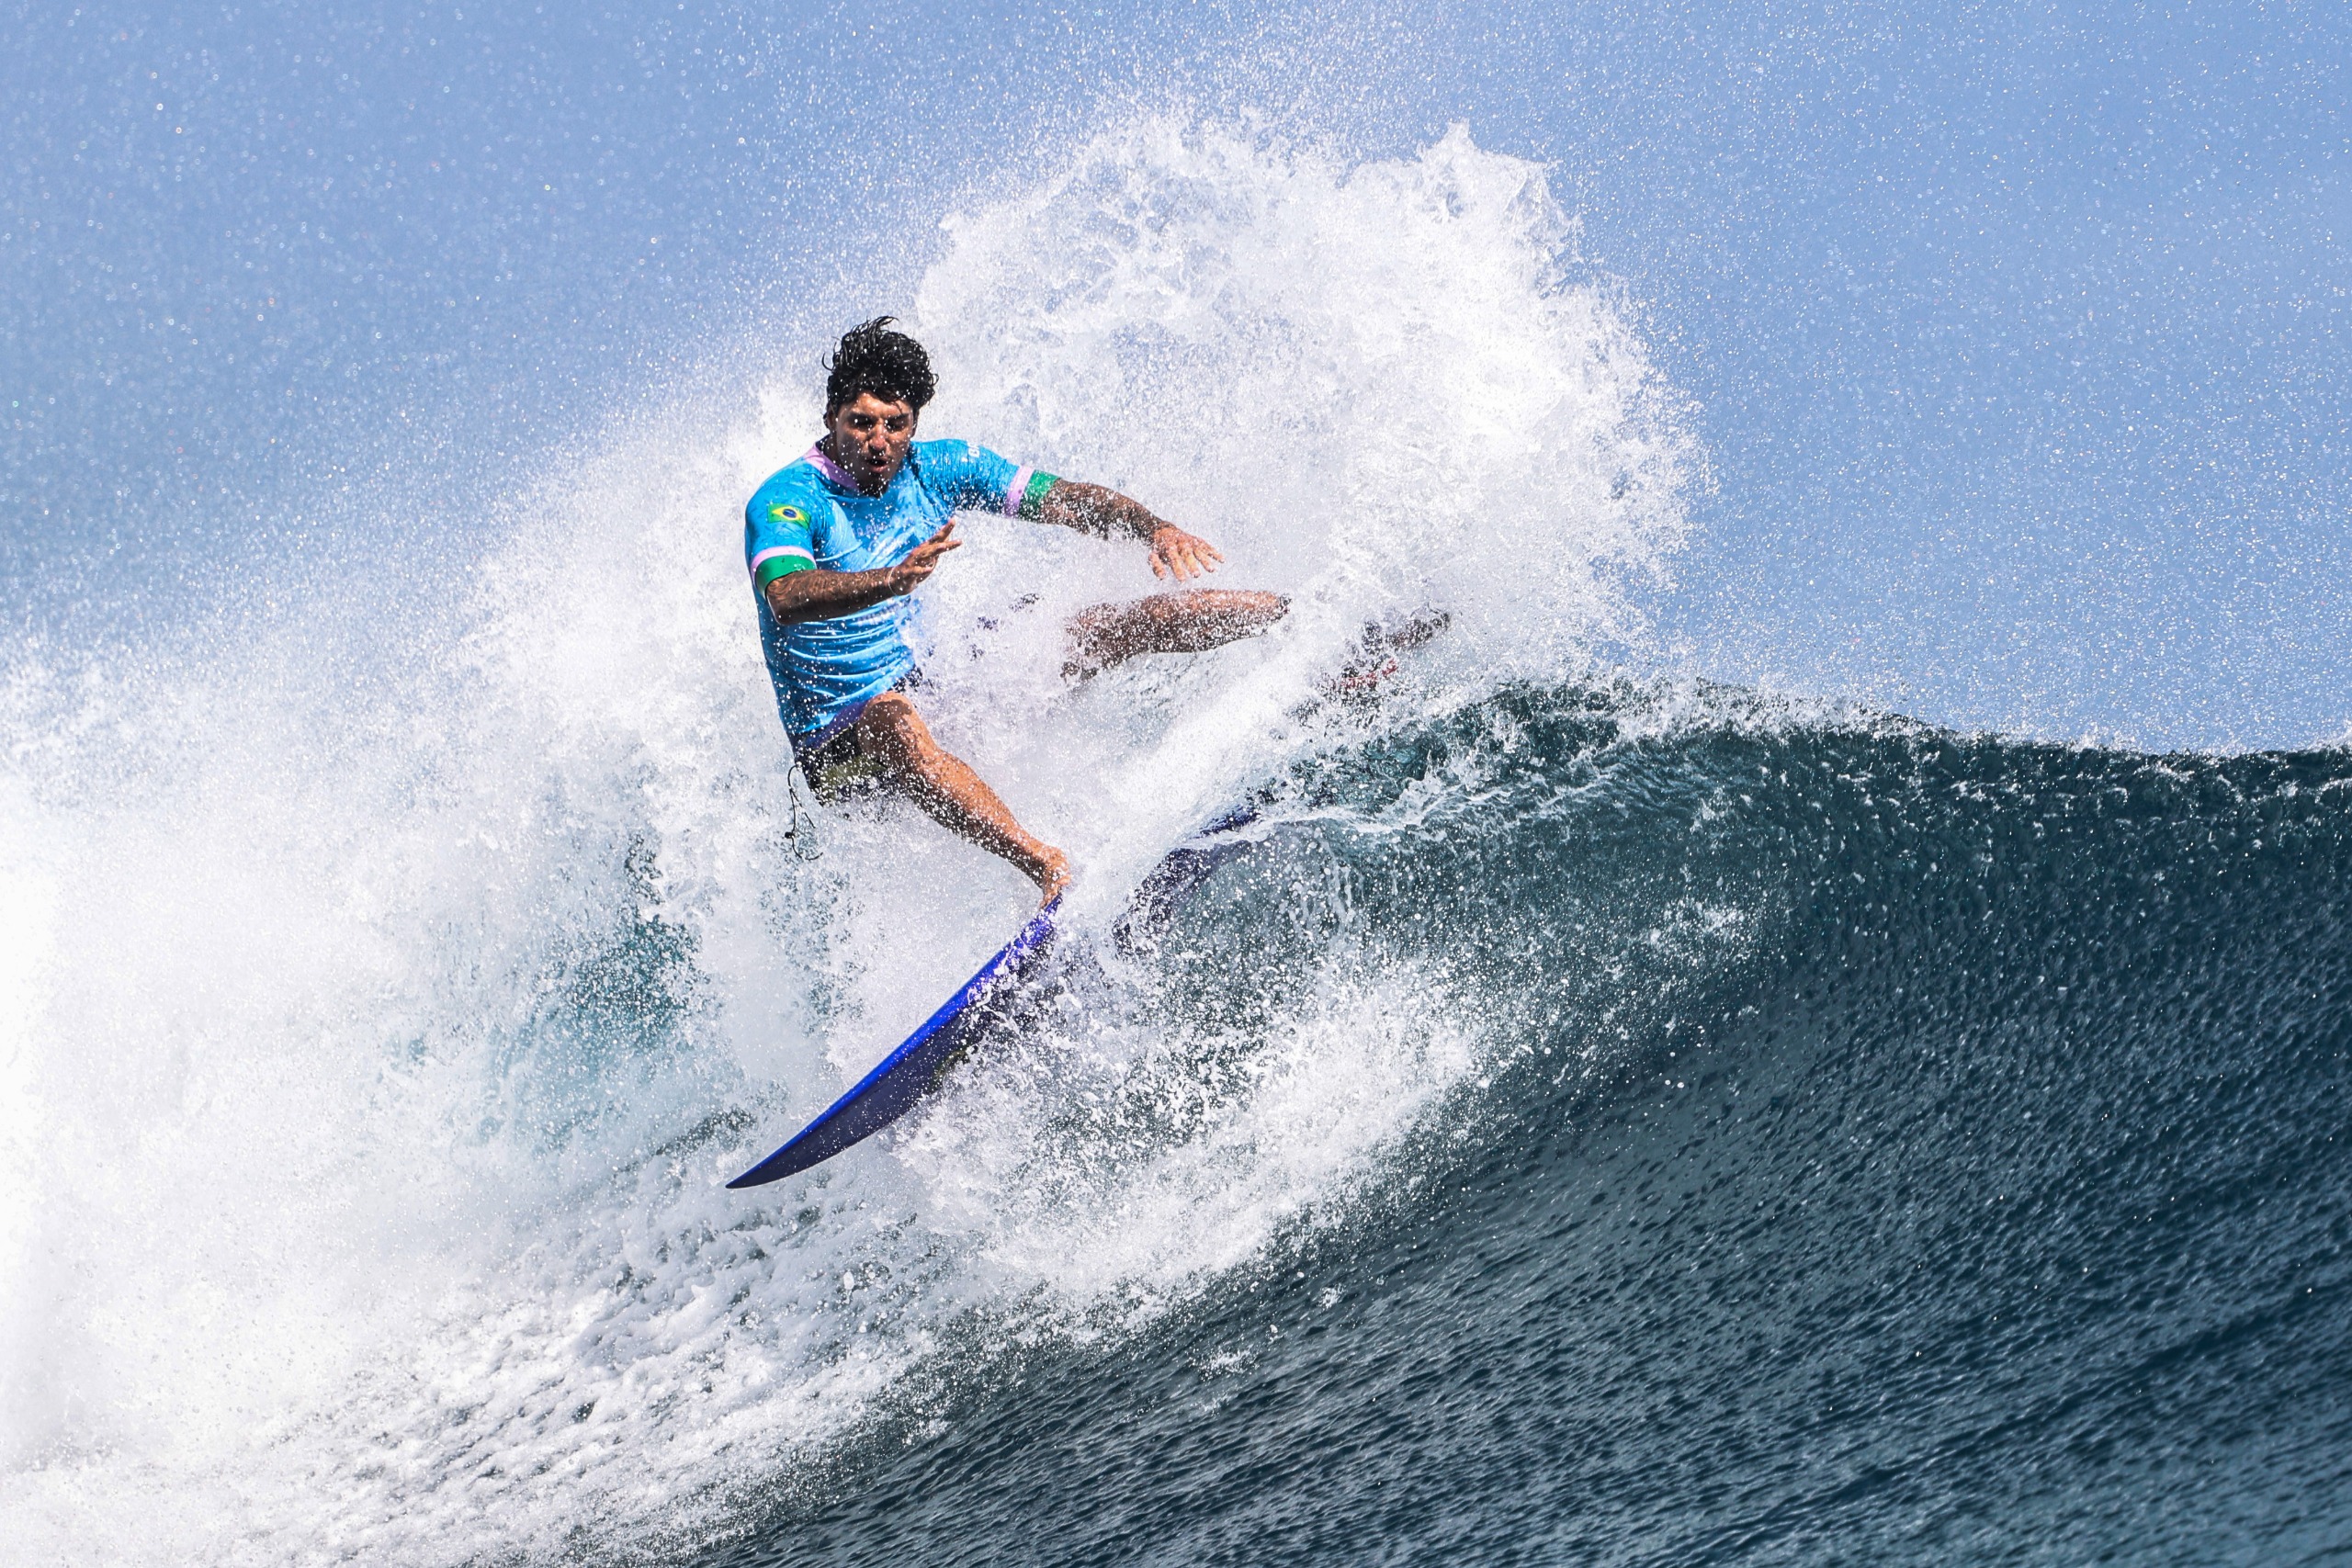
(2015, 334)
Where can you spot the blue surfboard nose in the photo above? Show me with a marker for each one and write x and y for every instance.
(904, 1076)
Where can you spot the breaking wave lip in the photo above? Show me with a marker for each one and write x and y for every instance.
(384, 1036)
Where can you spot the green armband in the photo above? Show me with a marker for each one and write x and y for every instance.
(1033, 499)
(771, 564)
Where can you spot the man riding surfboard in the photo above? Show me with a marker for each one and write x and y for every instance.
(838, 540)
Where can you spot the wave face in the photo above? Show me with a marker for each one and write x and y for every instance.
(1883, 1145)
(1603, 1117)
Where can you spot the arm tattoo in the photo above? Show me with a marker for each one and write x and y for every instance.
(1098, 509)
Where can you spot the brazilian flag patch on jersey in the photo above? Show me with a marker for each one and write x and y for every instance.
(782, 514)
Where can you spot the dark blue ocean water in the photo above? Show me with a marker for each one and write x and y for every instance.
(1989, 1205)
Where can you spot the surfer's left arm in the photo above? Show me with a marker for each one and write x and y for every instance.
(1097, 509)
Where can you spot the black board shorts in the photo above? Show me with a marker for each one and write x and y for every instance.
(840, 763)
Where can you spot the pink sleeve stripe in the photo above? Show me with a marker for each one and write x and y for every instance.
(1011, 506)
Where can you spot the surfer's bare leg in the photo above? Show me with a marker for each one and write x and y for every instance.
(1192, 621)
(893, 733)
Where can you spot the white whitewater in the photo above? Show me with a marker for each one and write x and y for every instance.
(368, 990)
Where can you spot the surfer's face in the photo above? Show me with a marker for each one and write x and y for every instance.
(870, 439)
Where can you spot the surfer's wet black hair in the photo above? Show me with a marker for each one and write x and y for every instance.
(873, 358)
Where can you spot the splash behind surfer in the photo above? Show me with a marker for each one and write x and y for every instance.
(838, 540)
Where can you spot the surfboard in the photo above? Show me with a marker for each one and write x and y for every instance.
(904, 1076)
(989, 1000)
(1174, 879)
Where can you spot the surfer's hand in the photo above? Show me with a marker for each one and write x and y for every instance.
(910, 573)
(1174, 551)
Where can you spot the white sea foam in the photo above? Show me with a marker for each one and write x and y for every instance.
(377, 1028)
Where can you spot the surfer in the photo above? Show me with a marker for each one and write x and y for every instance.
(838, 539)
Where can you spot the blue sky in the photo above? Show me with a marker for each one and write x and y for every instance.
(2014, 333)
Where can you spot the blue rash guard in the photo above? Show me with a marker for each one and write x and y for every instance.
(811, 516)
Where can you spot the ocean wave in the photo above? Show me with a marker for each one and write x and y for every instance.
(1582, 1064)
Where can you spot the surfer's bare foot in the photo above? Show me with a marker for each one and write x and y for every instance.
(1375, 661)
(1412, 632)
(1050, 872)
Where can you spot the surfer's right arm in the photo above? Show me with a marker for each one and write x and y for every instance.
(812, 594)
